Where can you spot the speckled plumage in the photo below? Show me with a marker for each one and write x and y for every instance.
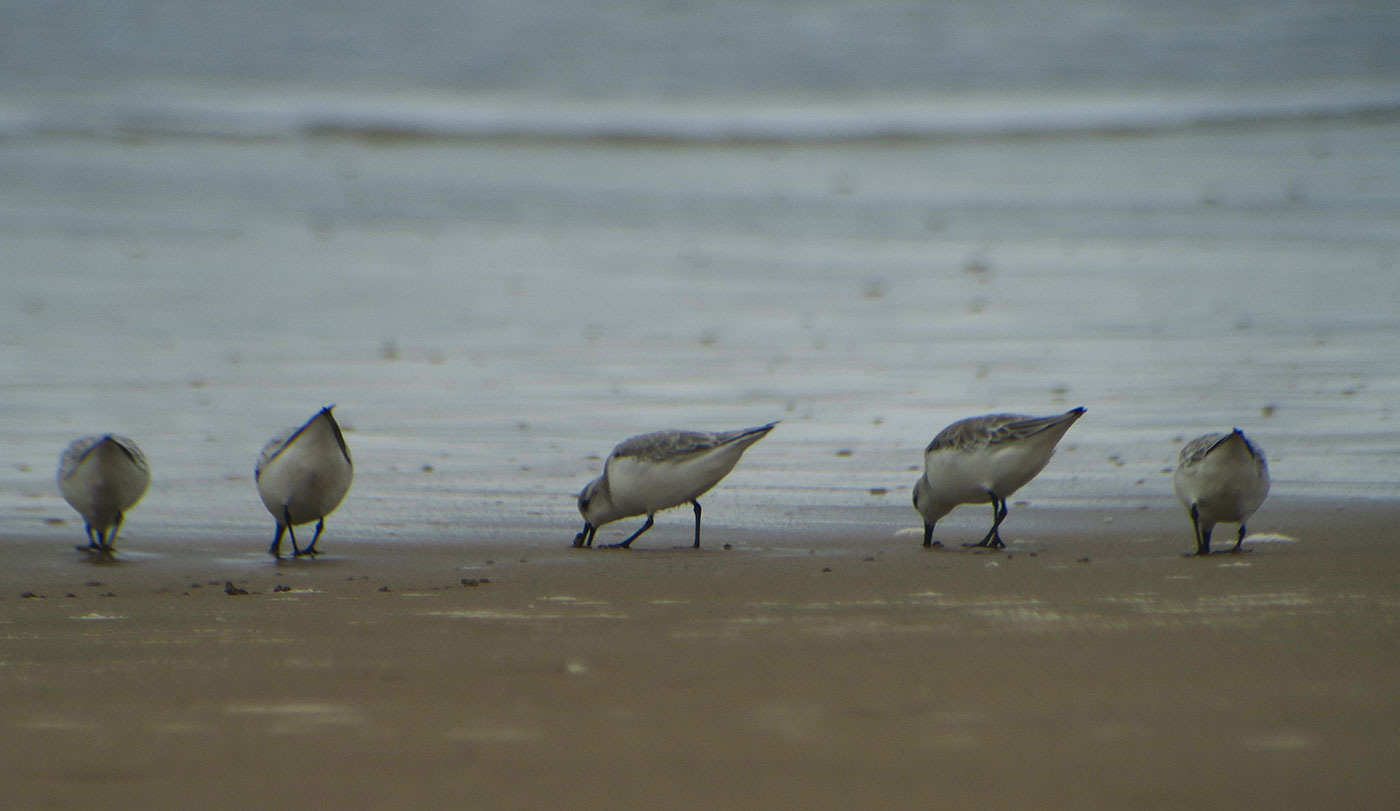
(302, 475)
(985, 459)
(1220, 478)
(652, 472)
(103, 477)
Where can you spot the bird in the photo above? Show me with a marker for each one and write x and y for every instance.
(1220, 478)
(653, 472)
(985, 459)
(103, 477)
(303, 475)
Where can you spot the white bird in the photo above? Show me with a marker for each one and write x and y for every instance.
(1220, 478)
(103, 477)
(985, 459)
(657, 471)
(303, 475)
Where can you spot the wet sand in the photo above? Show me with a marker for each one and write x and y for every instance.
(1085, 666)
(491, 317)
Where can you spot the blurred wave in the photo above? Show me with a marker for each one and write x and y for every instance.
(440, 116)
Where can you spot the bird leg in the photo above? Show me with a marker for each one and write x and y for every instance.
(110, 544)
(276, 549)
(697, 523)
(993, 537)
(585, 538)
(1239, 541)
(291, 533)
(627, 544)
(1202, 536)
(311, 550)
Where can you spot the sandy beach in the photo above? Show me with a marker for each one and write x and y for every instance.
(503, 237)
(1072, 670)
(1090, 666)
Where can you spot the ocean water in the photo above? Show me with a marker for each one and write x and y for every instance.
(505, 236)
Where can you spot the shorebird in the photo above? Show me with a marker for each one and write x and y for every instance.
(1220, 478)
(657, 471)
(303, 475)
(103, 477)
(985, 459)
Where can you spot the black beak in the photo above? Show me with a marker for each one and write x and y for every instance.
(585, 538)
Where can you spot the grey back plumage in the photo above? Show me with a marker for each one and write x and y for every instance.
(995, 429)
(79, 450)
(284, 440)
(661, 446)
(1202, 446)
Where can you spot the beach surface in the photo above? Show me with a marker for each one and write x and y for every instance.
(1074, 669)
(503, 237)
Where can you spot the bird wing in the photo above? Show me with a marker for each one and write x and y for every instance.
(1203, 446)
(79, 449)
(74, 455)
(661, 446)
(675, 446)
(274, 447)
(995, 429)
(283, 440)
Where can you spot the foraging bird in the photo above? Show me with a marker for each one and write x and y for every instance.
(1220, 478)
(657, 471)
(302, 476)
(103, 477)
(985, 459)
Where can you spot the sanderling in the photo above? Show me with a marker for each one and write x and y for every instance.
(1220, 478)
(657, 471)
(103, 477)
(302, 476)
(983, 459)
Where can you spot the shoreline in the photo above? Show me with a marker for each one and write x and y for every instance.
(1074, 670)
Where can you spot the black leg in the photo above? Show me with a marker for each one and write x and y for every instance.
(1240, 540)
(627, 544)
(92, 542)
(585, 538)
(928, 536)
(996, 524)
(276, 549)
(111, 543)
(1202, 536)
(993, 536)
(697, 523)
(291, 533)
(311, 550)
